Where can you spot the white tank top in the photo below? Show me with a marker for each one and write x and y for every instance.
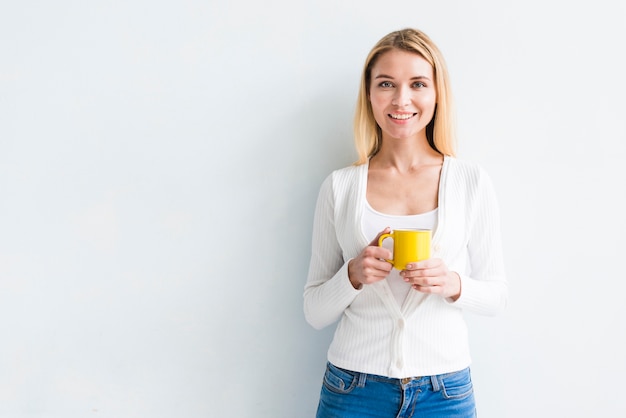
(374, 222)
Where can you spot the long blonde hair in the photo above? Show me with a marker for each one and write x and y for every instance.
(440, 132)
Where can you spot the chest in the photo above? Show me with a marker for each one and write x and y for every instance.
(407, 194)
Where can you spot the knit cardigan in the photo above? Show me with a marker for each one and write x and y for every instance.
(427, 335)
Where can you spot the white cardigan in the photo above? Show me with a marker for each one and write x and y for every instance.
(427, 335)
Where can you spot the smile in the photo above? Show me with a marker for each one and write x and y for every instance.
(402, 116)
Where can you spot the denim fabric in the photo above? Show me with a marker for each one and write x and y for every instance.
(347, 394)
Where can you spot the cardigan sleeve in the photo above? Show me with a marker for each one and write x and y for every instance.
(328, 291)
(484, 290)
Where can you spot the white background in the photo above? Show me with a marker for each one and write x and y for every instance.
(159, 165)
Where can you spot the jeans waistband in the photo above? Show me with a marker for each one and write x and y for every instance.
(435, 381)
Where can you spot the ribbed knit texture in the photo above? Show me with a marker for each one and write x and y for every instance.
(427, 335)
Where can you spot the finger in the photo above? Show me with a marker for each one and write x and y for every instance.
(378, 264)
(424, 264)
(384, 266)
(426, 281)
(416, 272)
(375, 240)
(372, 274)
(427, 289)
(377, 252)
(424, 274)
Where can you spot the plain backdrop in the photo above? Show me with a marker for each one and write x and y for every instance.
(159, 166)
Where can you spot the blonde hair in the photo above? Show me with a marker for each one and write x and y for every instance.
(440, 131)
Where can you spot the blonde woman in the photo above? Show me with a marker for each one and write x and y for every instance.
(400, 348)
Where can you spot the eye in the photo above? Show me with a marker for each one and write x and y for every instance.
(418, 85)
(386, 84)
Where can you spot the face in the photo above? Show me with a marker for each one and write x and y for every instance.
(402, 94)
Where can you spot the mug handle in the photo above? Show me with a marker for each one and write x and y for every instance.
(380, 243)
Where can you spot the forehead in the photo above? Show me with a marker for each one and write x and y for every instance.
(399, 63)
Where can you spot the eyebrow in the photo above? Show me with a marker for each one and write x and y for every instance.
(419, 77)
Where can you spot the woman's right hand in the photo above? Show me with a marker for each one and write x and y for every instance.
(370, 265)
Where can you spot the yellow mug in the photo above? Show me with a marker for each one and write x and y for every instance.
(409, 245)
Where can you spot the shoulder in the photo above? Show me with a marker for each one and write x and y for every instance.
(339, 181)
(347, 176)
(344, 186)
(350, 171)
(459, 165)
(469, 171)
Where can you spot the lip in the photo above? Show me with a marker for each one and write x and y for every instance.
(404, 116)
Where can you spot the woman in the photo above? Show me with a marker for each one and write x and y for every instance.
(400, 348)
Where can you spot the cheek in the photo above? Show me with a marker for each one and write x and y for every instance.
(377, 108)
(429, 103)
(376, 102)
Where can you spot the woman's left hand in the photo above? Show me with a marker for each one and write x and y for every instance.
(433, 276)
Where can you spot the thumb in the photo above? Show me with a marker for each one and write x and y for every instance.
(374, 242)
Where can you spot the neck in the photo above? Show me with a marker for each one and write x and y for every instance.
(405, 155)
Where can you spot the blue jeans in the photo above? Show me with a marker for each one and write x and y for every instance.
(348, 394)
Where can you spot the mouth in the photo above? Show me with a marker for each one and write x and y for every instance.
(401, 116)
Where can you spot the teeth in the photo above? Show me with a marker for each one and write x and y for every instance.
(403, 116)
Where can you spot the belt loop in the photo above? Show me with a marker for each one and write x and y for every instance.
(434, 380)
(362, 379)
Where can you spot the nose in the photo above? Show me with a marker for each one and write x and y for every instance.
(401, 97)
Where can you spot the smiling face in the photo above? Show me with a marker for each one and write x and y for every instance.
(402, 94)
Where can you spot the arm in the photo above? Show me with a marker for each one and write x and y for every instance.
(484, 290)
(328, 291)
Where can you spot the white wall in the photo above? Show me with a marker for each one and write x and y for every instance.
(159, 164)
